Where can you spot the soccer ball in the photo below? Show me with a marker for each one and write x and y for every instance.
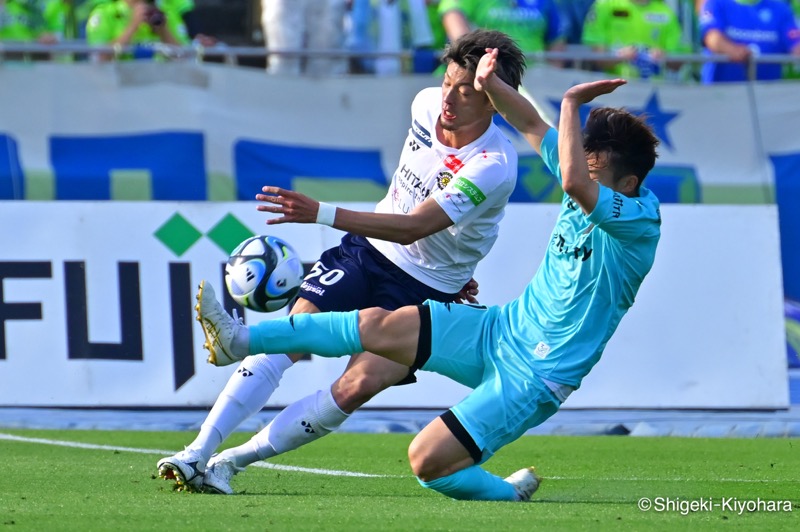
(263, 274)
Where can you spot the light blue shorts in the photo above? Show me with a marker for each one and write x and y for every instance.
(507, 398)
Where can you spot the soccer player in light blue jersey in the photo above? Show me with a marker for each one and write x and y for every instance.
(522, 359)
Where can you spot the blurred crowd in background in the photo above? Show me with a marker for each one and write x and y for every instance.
(635, 38)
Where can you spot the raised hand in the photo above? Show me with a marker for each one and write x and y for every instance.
(586, 92)
(486, 67)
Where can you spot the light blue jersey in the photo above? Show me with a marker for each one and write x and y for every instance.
(591, 272)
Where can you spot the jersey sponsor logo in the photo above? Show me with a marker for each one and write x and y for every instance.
(443, 179)
(571, 205)
(754, 36)
(542, 350)
(469, 189)
(657, 18)
(410, 182)
(414, 145)
(421, 133)
(307, 287)
(515, 14)
(577, 252)
(453, 163)
(616, 209)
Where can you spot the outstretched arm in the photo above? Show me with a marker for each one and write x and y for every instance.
(513, 106)
(424, 220)
(575, 178)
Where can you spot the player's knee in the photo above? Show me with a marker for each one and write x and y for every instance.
(422, 462)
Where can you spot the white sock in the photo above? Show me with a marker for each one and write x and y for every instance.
(241, 456)
(245, 394)
(302, 422)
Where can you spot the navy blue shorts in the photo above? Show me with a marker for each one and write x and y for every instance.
(355, 276)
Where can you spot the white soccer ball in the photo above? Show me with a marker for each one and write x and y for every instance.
(263, 274)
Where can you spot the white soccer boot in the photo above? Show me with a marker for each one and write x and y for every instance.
(526, 482)
(186, 468)
(218, 476)
(218, 326)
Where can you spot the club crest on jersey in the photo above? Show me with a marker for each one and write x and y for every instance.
(443, 179)
(421, 133)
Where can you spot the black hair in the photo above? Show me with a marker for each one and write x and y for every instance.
(627, 139)
(467, 50)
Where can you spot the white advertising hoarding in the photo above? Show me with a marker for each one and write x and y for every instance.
(97, 304)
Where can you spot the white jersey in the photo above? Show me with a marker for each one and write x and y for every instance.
(472, 184)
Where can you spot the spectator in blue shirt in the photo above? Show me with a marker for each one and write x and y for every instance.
(742, 29)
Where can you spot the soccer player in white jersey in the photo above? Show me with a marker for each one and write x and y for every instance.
(439, 218)
(522, 359)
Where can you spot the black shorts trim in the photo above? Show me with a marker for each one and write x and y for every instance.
(462, 435)
(424, 341)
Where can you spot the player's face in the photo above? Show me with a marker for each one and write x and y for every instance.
(600, 170)
(462, 105)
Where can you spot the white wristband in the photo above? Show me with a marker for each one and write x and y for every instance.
(326, 214)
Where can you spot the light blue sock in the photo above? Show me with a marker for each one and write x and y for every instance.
(327, 334)
(473, 484)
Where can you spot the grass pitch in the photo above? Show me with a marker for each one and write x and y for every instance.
(106, 481)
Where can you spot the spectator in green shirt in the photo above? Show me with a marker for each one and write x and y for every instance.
(66, 19)
(639, 32)
(135, 22)
(22, 21)
(534, 24)
(191, 24)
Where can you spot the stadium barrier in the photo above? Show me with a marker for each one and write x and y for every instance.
(578, 56)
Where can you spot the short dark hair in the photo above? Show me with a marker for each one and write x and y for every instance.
(627, 139)
(467, 50)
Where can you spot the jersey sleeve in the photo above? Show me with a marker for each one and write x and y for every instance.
(710, 18)
(481, 184)
(622, 217)
(549, 149)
